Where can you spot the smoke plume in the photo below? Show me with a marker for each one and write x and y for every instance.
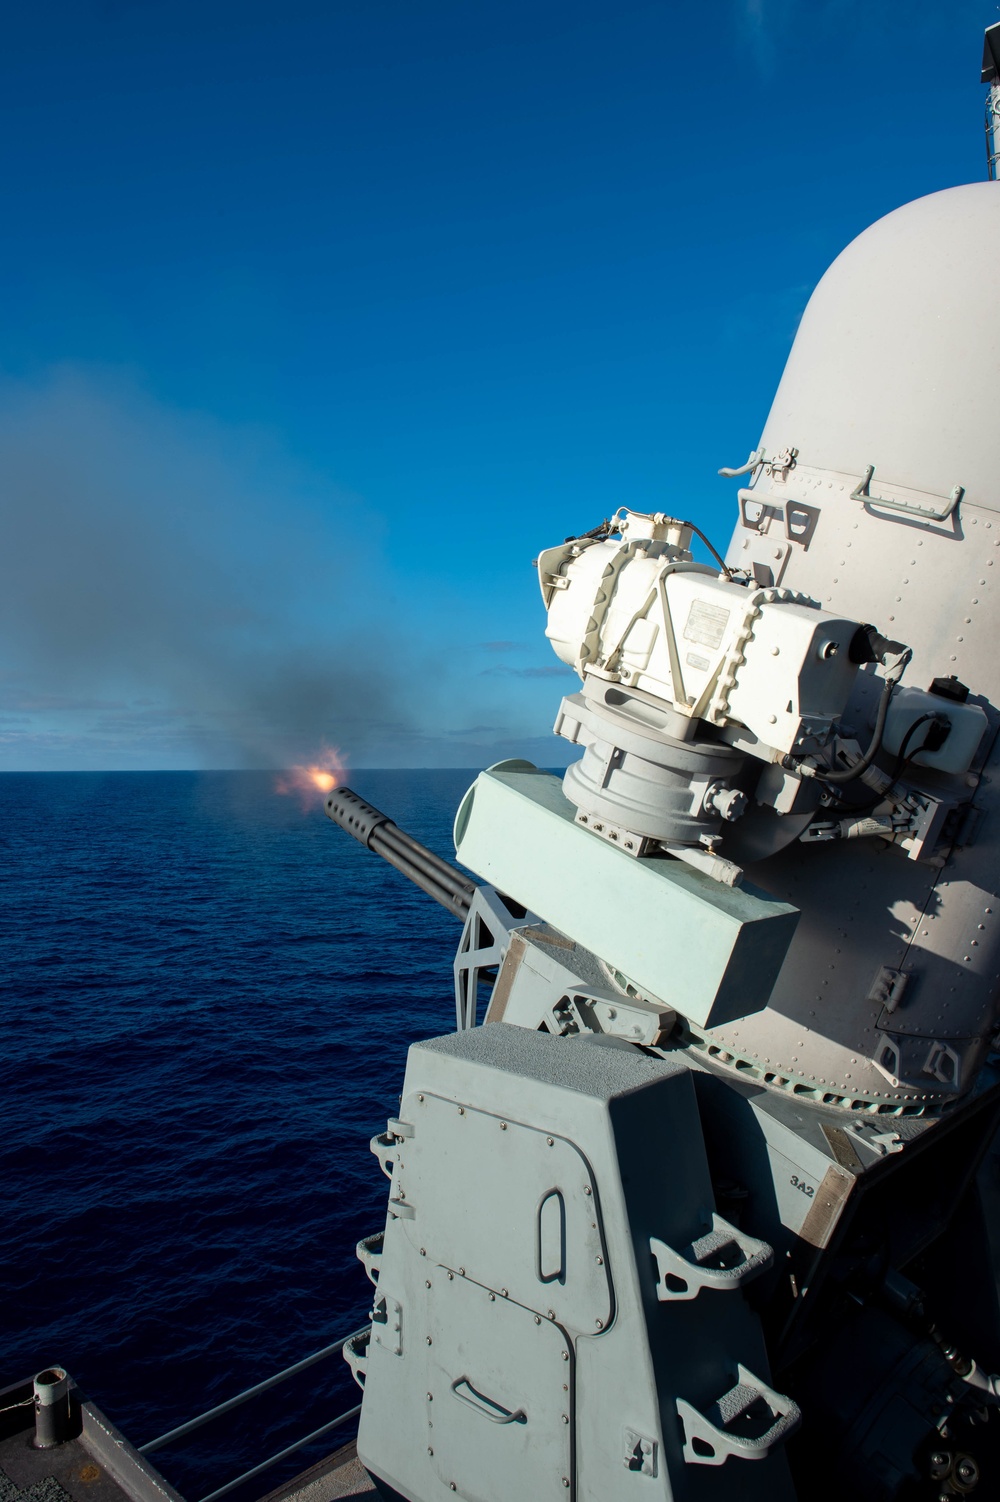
(171, 588)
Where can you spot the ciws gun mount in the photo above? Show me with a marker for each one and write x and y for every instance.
(708, 1209)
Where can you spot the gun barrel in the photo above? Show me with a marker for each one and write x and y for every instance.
(377, 832)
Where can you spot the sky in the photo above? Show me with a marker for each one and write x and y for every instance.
(322, 319)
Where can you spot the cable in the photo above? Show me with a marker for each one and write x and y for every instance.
(716, 555)
(903, 760)
(850, 773)
(605, 528)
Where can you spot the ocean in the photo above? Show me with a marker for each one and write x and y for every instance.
(208, 992)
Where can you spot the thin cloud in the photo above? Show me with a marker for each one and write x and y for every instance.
(554, 670)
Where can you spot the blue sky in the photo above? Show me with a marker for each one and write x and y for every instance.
(322, 319)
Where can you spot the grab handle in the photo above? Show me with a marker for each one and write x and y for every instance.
(861, 492)
(488, 1407)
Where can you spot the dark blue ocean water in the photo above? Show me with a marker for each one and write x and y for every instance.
(207, 997)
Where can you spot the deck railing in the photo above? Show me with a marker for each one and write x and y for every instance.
(244, 1397)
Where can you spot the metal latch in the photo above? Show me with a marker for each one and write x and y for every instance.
(724, 1258)
(640, 1453)
(729, 1426)
(887, 988)
(387, 1324)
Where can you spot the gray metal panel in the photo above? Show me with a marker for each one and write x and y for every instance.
(470, 1169)
(710, 951)
(499, 1397)
(633, 1121)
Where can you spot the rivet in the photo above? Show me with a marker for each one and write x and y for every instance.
(428, 1340)
(430, 1397)
(420, 1098)
(550, 1141)
(503, 1126)
(587, 1189)
(423, 1251)
(564, 1417)
(429, 1450)
(599, 1323)
(565, 1355)
(538, 1319)
(600, 1261)
(461, 1272)
(461, 1110)
(503, 1293)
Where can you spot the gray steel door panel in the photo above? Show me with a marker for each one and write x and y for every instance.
(500, 1399)
(514, 1208)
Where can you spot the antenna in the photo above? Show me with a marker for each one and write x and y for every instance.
(991, 75)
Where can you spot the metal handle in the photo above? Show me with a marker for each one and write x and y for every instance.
(755, 458)
(683, 1275)
(488, 1407)
(912, 508)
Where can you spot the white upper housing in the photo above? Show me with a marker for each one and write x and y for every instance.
(897, 360)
